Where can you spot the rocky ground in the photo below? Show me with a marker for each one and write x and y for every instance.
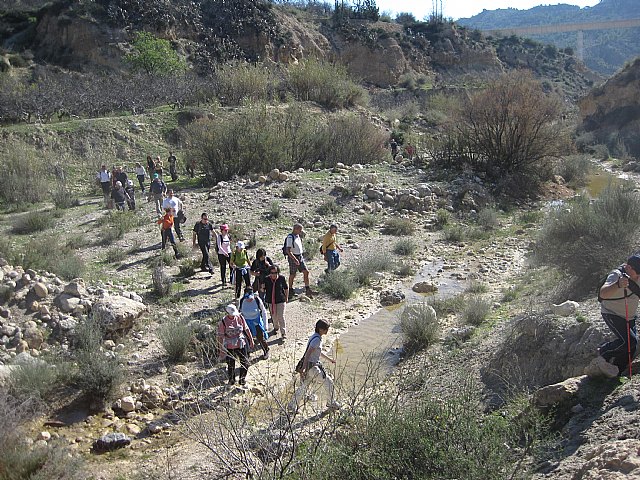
(41, 310)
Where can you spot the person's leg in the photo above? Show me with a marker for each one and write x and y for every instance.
(330, 260)
(157, 198)
(616, 349)
(231, 366)
(204, 264)
(237, 282)
(329, 388)
(262, 341)
(247, 278)
(278, 318)
(222, 260)
(298, 397)
(244, 364)
(173, 241)
(305, 277)
(141, 182)
(163, 235)
(177, 226)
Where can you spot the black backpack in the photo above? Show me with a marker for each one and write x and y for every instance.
(633, 286)
(284, 245)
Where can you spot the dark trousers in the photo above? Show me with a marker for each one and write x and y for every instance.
(106, 187)
(239, 276)
(205, 263)
(177, 224)
(241, 354)
(224, 261)
(617, 349)
(141, 182)
(167, 236)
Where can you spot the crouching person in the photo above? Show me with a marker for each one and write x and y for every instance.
(313, 370)
(619, 297)
(234, 338)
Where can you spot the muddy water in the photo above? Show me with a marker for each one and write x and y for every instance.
(374, 346)
(600, 180)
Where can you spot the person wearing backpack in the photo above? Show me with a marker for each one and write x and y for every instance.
(619, 297)
(202, 232)
(330, 248)
(157, 190)
(260, 269)
(294, 251)
(233, 337)
(223, 247)
(254, 313)
(166, 223)
(277, 296)
(173, 167)
(131, 194)
(240, 265)
(312, 370)
(119, 196)
(176, 204)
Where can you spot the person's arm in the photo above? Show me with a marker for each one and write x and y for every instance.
(232, 263)
(254, 268)
(194, 235)
(305, 363)
(285, 288)
(612, 285)
(322, 354)
(263, 310)
(290, 251)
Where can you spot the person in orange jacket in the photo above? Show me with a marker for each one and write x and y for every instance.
(166, 224)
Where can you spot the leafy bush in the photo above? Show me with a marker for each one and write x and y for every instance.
(405, 269)
(398, 226)
(419, 326)
(488, 219)
(64, 198)
(188, 268)
(154, 56)
(162, 283)
(575, 169)
(115, 255)
(404, 246)
(99, 374)
(33, 222)
(65, 263)
(242, 82)
(368, 221)
(476, 286)
(364, 268)
(338, 285)
(24, 179)
(443, 218)
(447, 305)
(114, 225)
(290, 191)
(175, 337)
(475, 310)
(36, 378)
(329, 208)
(531, 216)
(454, 233)
(275, 210)
(324, 83)
(601, 233)
(311, 248)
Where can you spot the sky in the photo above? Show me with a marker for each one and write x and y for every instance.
(467, 8)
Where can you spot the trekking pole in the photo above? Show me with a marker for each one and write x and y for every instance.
(626, 316)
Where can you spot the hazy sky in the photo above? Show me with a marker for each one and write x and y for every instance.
(467, 8)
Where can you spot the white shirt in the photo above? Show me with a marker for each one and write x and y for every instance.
(104, 176)
(172, 202)
(224, 244)
(141, 171)
(295, 243)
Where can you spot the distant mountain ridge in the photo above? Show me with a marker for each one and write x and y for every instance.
(605, 51)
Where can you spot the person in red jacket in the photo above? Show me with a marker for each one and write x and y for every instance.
(166, 224)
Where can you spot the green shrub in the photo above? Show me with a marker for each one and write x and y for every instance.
(446, 305)
(329, 208)
(419, 326)
(175, 337)
(115, 255)
(241, 82)
(364, 268)
(338, 285)
(115, 224)
(475, 310)
(290, 191)
(311, 248)
(454, 233)
(65, 263)
(162, 283)
(24, 178)
(168, 257)
(324, 83)
(488, 219)
(405, 247)
(476, 286)
(99, 374)
(33, 379)
(368, 221)
(601, 233)
(575, 169)
(32, 222)
(398, 226)
(275, 210)
(405, 269)
(443, 218)
(531, 216)
(64, 198)
(188, 268)
(509, 294)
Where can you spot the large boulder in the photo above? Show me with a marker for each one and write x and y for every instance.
(391, 297)
(424, 287)
(614, 460)
(40, 289)
(559, 392)
(111, 441)
(116, 313)
(76, 288)
(66, 302)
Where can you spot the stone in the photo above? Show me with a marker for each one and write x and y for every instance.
(66, 302)
(133, 429)
(40, 289)
(391, 297)
(461, 334)
(111, 441)
(424, 287)
(153, 397)
(127, 404)
(109, 345)
(558, 392)
(600, 368)
(284, 176)
(372, 194)
(176, 378)
(617, 459)
(154, 428)
(76, 288)
(565, 309)
(22, 346)
(33, 337)
(46, 436)
(262, 179)
(274, 174)
(116, 313)
(35, 306)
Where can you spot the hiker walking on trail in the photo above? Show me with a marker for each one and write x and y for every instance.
(223, 248)
(156, 192)
(159, 168)
(166, 223)
(131, 195)
(173, 166)
(202, 232)
(240, 265)
(295, 251)
(104, 177)
(176, 204)
(277, 296)
(191, 168)
(254, 313)
(394, 148)
(619, 297)
(260, 270)
(330, 248)
(141, 174)
(313, 371)
(121, 176)
(119, 196)
(151, 165)
(234, 337)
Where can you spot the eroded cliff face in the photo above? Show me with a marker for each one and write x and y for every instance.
(611, 112)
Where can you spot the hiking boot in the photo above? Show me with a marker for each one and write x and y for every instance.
(265, 355)
(243, 381)
(308, 292)
(232, 381)
(274, 331)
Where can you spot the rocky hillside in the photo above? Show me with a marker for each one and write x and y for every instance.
(611, 113)
(605, 51)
